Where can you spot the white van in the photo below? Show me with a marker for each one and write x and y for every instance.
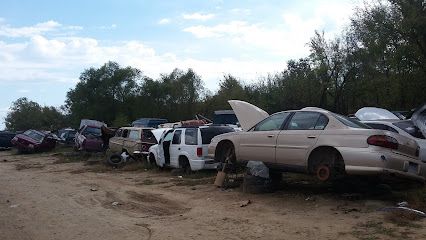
(186, 147)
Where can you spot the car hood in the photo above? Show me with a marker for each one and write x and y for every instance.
(419, 119)
(248, 115)
(373, 113)
(158, 132)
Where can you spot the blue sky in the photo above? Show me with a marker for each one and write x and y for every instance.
(45, 45)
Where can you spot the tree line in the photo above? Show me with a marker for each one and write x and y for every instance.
(378, 60)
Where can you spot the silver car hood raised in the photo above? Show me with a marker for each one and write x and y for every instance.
(248, 114)
(419, 119)
(373, 113)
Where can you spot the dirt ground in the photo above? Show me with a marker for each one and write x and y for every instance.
(49, 196)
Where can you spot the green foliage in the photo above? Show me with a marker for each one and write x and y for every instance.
(25, 114)
(380, 60)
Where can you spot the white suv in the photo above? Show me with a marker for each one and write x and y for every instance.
(186, 147)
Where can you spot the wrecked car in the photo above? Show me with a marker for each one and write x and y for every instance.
(6, 139)
(67, 135)
(316, 141)
(93, 136)
(34, 141)
(186, 147)
(411, 128)
(134, 141)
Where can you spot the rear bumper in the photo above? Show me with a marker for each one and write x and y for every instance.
(201, 164)
(371, 162)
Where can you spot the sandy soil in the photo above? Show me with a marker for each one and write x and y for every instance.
(42, 197)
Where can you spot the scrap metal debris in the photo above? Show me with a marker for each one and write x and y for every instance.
(245, 203)
(115, 203)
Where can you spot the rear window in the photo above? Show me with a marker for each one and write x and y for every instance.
(410, 128)
(353, 123)
(148, 136)
(191, 136)
(208, 133)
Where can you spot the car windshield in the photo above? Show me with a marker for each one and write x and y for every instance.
(92, 131)
(208, 133)
(353, 123)
(34, 135)
(409, 127)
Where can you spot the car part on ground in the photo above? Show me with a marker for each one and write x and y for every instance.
(34, 141)
(316, 141)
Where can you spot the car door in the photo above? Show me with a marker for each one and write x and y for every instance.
(175, 148)
(131, 143)
(116, 142)
(164, 148)
(259, 143)
(298, 138)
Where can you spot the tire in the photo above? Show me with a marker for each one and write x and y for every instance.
(151, 160)
(115, 160)
(226, 155)
(184, 163)
(326, 165)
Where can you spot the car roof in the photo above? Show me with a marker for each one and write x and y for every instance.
(137, 128)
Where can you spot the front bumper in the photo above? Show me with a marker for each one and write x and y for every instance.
(388, 163)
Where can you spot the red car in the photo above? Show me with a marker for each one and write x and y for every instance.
(34, 141)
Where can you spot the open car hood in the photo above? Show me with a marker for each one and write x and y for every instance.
(419, 119)
(158, 132)
(373, 113)
(248, 115)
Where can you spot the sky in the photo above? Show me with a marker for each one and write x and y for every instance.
(45, 45)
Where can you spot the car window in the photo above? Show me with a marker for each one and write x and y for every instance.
(409, 127)
(191, 136)
(92, 131)
(177, 137)
(148, 136)
(382, 127)
(307, 121)
(353, 123)
(118, 133)
(168, 136)
(125, 133)
(321, 122)
(134, 134)
(34, 135)
(273, 122)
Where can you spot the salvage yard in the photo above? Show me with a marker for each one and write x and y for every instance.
(63, 195)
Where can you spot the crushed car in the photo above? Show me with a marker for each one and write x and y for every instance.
(92, 136)
(413, 128)
(6, 140)
(316, 141)
(66, 135)
(185, 147)
(32, 141)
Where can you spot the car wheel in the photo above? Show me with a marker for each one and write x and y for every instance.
(115, 160)
(326, 165)
(184, 163)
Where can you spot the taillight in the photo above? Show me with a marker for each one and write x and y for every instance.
(383, 141)
(199, 152)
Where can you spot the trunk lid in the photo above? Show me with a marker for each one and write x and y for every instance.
(406, 146)
(419, 119)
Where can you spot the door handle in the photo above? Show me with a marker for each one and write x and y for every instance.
(312, 136)
(269, 136)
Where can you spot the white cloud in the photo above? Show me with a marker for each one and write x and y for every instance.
(23, 91)
(241, 11)
(110, 27)
(164, 21)
(198, 16)
(39, 28)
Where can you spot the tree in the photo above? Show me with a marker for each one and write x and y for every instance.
(25, 114)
